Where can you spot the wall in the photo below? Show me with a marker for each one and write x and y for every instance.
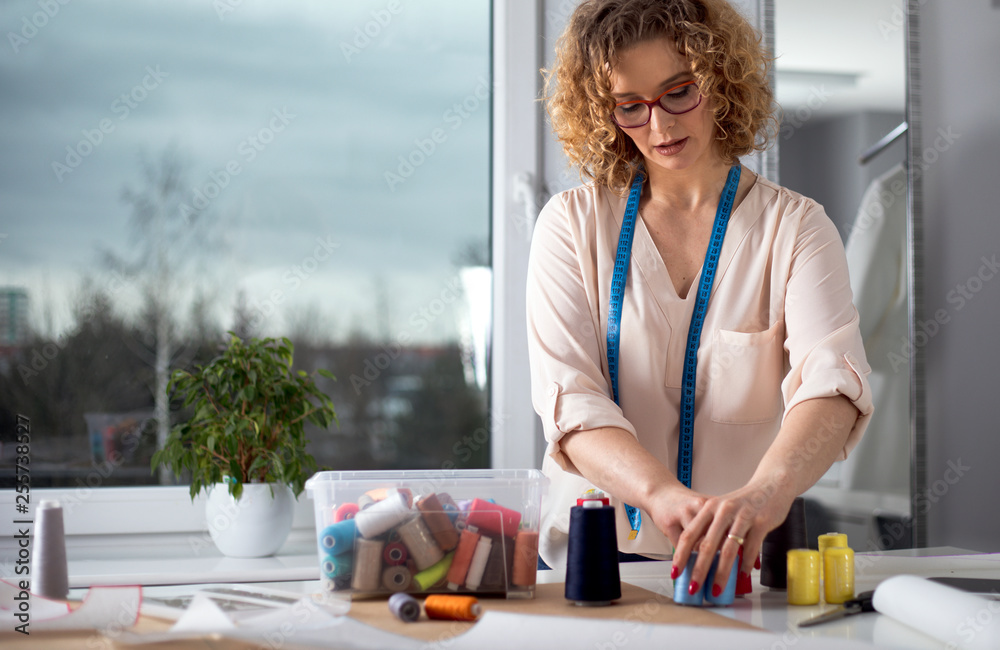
(960, 94)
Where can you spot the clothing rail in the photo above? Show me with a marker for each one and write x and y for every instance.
(882, 144)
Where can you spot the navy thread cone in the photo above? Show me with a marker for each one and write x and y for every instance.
(592, 576)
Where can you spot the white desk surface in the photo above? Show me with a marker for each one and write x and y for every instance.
(295, 567)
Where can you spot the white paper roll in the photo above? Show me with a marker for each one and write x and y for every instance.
(960, 619)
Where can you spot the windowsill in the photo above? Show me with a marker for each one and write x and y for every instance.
(185, 559)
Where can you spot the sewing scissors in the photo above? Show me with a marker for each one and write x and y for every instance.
(857, 605)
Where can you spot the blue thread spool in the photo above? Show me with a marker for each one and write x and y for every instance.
(334, 566)
(729, 593)
(704, 595)
(592, 577)
(339, 537)
(681, 595)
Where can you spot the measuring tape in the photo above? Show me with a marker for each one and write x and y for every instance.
(622, 260)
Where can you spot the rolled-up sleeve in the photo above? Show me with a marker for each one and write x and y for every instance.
(823, 338)
(569, 388)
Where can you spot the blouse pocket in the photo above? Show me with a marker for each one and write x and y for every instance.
(747, 369)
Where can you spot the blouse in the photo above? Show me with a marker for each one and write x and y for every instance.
(780, 329)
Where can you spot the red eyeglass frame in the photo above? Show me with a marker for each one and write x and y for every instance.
(649, 104)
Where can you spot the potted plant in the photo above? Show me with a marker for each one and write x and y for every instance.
(246, 442)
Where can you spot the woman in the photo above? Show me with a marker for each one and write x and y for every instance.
(655, 101)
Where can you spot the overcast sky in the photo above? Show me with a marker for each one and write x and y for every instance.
(351, 102)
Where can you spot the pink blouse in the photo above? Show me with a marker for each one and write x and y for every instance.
(780, 329)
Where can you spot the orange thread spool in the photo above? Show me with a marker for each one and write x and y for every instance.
(463, 558)
(452, 608)
(525, 558)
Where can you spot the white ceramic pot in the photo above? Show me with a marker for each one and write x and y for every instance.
(256, 525)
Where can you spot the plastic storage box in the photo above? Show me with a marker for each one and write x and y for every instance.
(470, 532)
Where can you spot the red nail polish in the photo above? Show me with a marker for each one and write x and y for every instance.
(693, 588)
(716, 591)
(674, 572)
(756, 563)
(744, 585)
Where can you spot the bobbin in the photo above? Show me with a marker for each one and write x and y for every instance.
(838, 574)
(463, 558)
(803, 576)
(435, 574)
(478, 565)
(396, 578)
(421, 545)
(367, 564)
(383, 515)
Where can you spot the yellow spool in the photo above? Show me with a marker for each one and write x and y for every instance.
(803, 577)
(838, 575)
(832, 539)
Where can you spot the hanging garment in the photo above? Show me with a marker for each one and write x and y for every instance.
(877, 259)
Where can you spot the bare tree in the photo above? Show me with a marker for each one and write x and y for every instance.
(170, 227)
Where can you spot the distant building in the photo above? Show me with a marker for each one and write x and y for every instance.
(13, 316)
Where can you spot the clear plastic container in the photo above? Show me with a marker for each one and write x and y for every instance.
(472, 532)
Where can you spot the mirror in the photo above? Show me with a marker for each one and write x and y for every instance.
(840, 77)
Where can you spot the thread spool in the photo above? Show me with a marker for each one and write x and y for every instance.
(499, 566)
(594, 495)
(438, 523)
(334, 566)
(404, 607)
(367, 564)
(592, 577)
(525, 558)
(380, 517)
(435, 574)
(838, 574)
(49, 568)
(452, 511)
(831, 539)
(463, 558)
(478, 565)
(340, 583)
(803, 576)
(493, 518)
(422, 547)
(396, 578)
(452, 608)
(339, 537)
(791, 534)
(345, 511)
(683, 581)
(729, 591)
(395, 554)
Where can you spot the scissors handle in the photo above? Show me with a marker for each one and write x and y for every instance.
(862, 600)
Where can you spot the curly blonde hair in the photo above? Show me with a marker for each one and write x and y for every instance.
(727, 59)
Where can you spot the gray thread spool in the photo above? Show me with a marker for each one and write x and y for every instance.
(49, 571)
(405, 607)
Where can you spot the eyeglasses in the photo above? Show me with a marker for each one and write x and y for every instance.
(677, 100)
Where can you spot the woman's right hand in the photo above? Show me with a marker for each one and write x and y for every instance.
(672, 506)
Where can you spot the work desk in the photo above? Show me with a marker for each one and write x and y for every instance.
(764, 608)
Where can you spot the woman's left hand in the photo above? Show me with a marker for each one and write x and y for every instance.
(724, 523)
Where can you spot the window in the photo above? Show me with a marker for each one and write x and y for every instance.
(306, 169)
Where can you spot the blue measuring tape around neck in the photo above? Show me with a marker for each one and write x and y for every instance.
(622, 260)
